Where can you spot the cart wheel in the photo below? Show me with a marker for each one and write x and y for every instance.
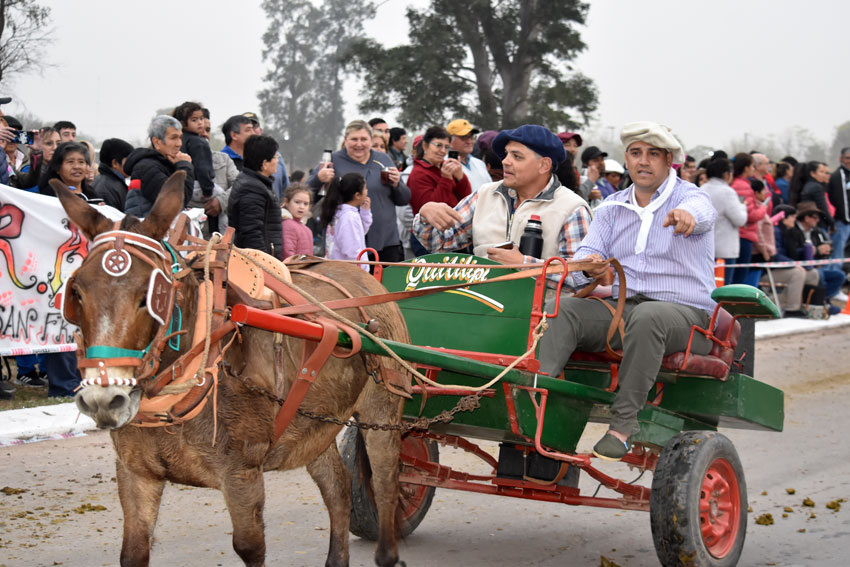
(414, 499)
(698, 505)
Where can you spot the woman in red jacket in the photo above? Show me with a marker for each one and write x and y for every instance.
(435, 177)
(743, 170)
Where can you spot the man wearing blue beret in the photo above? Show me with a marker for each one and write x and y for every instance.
(661, 231)
(498, 212)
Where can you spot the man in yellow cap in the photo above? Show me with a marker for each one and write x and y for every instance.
(661, 229)
(463, 142)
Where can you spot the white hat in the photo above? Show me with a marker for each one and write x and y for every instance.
(613, 166)
(655, 135)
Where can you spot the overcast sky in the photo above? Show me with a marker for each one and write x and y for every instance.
(710, 69)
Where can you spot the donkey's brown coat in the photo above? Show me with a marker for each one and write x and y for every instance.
(243, 446)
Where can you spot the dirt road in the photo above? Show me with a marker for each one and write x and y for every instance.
(69, 513)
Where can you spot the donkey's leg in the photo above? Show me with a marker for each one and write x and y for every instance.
(244, 493)
(140, 497)
(383, 449)
(334, 482)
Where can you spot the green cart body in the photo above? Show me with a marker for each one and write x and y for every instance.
(465, 337)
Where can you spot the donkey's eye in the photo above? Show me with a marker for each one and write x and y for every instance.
(143, 303)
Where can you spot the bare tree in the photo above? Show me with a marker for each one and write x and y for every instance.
(24, 32)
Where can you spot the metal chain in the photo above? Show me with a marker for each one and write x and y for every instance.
(466, 403)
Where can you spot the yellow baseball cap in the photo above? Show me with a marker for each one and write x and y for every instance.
(461, 127)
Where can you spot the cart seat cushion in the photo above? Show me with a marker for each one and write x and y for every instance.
(714, 364)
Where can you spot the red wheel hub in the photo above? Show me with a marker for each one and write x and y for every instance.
(412, 496)
(720, 508)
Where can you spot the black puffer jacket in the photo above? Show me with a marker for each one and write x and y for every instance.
(152, 169)
(254, 211)
(199, 150)
(110, 187)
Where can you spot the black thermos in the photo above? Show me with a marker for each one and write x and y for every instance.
(531, 243)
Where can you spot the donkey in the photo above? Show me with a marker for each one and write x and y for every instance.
(231, 442)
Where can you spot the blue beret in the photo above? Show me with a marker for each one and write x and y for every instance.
(536, 137)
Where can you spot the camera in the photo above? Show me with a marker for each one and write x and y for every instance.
(453, 154)
(326, 156)
(23, 137)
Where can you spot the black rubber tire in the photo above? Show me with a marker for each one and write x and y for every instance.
(364, 514)
(689, 460)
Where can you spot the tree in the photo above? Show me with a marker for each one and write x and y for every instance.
(839, 142)
(24, 32)
(303, 104)
(499, 63)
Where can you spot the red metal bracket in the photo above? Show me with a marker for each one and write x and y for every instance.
(378, 272)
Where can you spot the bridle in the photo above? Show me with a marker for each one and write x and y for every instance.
(120, 247)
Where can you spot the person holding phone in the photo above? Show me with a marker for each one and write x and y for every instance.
(462, 144)
(436, 177)
(18, 154)
(383, 180)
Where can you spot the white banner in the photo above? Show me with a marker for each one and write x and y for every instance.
(40, 248)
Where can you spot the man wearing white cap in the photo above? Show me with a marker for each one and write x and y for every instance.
(610, 182)
(661, 230)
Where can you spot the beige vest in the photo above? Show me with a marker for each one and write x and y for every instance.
(492, 223)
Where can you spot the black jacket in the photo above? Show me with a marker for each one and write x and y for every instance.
(840, 196)
(794, 240)
(110, 187)
(254, 212)
(815, 191)
(199, 150)
(152, 169)
(45, 189)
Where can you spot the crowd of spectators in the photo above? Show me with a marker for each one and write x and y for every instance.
(405, 198)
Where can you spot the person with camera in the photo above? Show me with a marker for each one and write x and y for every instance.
(463, 143)
(435, 177)
(383, 180)
(17, 150)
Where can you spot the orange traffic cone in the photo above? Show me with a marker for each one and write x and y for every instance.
(846, 310)
(720, 272)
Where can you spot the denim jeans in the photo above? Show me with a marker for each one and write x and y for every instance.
(831, 280)
(739, 275)
(839, 241)
(63, 377)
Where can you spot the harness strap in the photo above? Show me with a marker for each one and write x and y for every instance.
(313, 358)
(102, 351)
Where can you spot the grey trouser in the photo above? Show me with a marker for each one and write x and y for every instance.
(653, 329)
(794, 279)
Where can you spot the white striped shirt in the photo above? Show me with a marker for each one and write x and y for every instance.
(672, 268)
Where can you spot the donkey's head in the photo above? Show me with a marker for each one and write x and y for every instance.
(109, 298)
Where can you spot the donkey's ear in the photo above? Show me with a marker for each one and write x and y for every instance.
(168, 205)
(82, 214)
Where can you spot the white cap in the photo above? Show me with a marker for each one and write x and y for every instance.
(613, 166)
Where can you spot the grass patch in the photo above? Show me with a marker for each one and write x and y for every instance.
(31, 398)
